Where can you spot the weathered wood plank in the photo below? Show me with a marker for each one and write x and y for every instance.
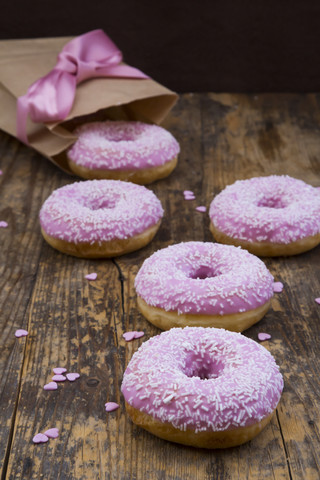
(73, 323)
(25, 183)
(79, 324)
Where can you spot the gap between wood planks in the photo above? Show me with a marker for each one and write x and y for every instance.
(121, 278)
(284, 446)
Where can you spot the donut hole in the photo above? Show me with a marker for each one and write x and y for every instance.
(203, 272)
(204, 367)
(271, 202)
(119, 136)
(102, 203)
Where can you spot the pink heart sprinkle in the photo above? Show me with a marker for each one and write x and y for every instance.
(138, 334)
(40, 438)
(110, 406)
(189, 197)
(188, 192)
(201, 208)
(52, 433)
(91, 276)
(59, 378)
(51, 386)
(59, 370)
(277, 287)
(263, 336)
(21, 333)
(3, 224)
(128, 336)
(317, 300)
(72, 376)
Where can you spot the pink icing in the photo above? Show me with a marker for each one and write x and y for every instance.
(203, 379)
(206, 278)
(277, 209)
(122, 146)
(99, 210)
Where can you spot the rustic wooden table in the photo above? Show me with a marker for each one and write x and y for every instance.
(79, 324)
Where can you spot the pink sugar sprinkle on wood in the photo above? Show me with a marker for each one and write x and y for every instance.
(138, 334)
(40, 438)
(111, 406)
(73, 376)
(3, 224)
(277, 287)
(52, 432)
(201, 208)
(59, 370)
(58, 378)
(91, 276)
(263, 336)
(128, 336)
(317, 300)
(21, 333)
(51, 386)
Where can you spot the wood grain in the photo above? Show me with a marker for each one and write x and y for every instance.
(79, 324)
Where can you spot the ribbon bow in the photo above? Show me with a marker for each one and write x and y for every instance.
(50, 98)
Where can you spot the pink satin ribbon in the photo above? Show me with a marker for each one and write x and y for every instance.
(50, 98)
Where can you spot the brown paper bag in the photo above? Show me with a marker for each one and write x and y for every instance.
(22, 62)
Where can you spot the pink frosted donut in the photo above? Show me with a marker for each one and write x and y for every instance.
(100, 218)
(269, 216)
(133, 151)
(204, 387)
(203, 284)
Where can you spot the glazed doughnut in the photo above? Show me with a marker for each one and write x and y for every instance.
(203, 387)
(129, 151)
(268, 216)
(100, 218)
(203, 285)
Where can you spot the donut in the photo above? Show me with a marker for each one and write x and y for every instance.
(204, 387)
(100, 218)
(128, 151)
(201, 284)
(268, 216)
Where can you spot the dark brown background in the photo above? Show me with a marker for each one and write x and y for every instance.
(205, 45)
